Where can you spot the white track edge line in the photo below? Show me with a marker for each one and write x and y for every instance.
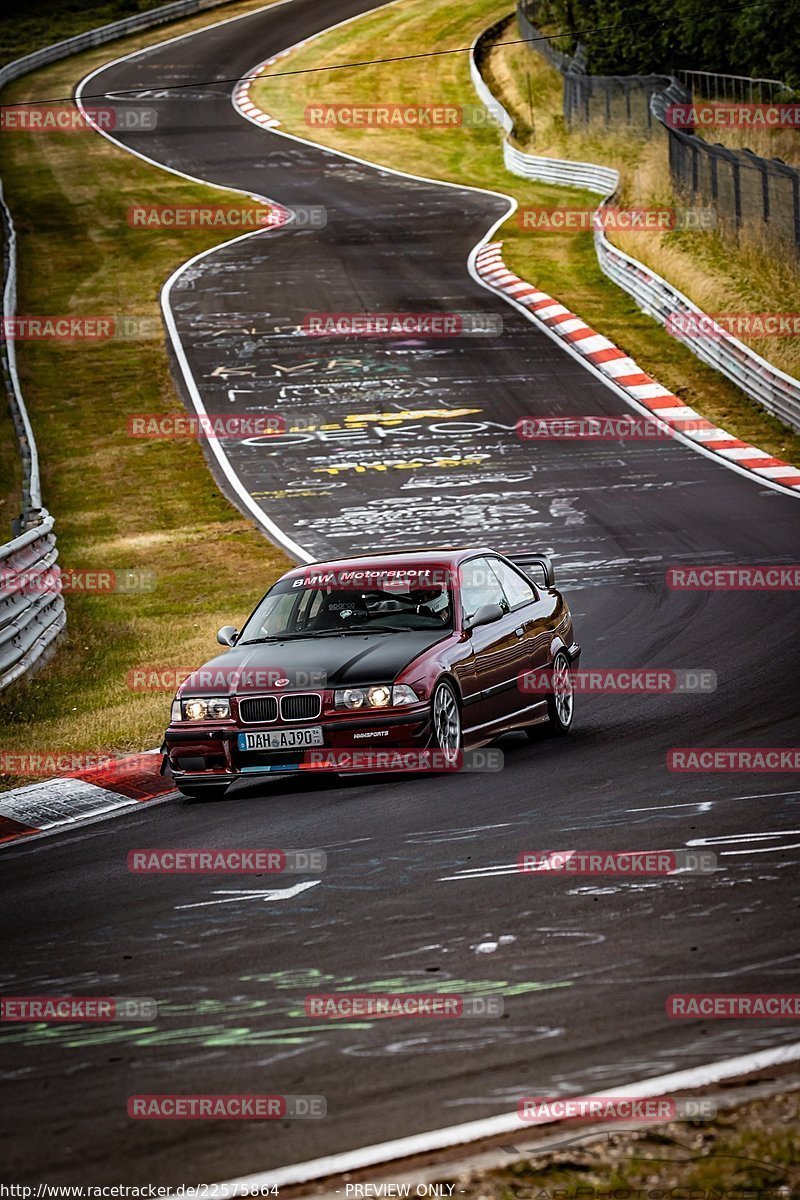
(251, 76)
(454, 1135)
(249, 503)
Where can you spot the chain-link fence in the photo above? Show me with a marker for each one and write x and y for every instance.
(618, 99)
(736, 89)
(748, 192)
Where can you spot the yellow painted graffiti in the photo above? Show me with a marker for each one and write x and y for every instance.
(409, 414)
(471, 460)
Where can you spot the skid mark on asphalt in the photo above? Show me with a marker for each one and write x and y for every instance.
(434, 837)
(457, 1038)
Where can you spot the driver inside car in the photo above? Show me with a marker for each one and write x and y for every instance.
(432, 602)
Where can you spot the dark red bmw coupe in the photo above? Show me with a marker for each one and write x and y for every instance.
(343, 662)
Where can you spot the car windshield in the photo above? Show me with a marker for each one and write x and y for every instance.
(386, 602)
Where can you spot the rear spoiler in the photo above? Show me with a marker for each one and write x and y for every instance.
(543, 562)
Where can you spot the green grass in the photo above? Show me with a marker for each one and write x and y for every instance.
(564, 265)
(119, 502)
(28, 27)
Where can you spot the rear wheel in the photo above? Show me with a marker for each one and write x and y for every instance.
(561, 701)
(446, 721)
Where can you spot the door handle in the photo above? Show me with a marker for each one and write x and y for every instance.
(519, 631)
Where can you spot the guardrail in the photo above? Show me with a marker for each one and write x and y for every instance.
(487, 98)
(590, 176)
(31, 488)
(776, 391)
(30, 621)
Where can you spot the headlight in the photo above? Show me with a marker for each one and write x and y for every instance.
(380, 696)
(202, 708)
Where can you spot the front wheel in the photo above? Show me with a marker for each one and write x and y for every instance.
(446, 722)
(561, 701)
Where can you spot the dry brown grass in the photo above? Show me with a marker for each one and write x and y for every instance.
(720, 273)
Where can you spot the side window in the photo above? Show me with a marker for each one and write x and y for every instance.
(479, 586)
(518, 590)
(276, 619)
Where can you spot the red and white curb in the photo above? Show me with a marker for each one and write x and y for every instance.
(617, 367)
(241, 93)
(626, 374)
(51, 804)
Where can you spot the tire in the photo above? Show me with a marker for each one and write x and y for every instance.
(561, 701)
(213, 791)
(446, 721)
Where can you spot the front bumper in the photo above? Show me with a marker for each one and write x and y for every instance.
(207, 752)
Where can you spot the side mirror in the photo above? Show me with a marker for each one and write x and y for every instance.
(227, 635)
(487, 614)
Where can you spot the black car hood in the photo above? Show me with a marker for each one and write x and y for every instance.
(347, 660)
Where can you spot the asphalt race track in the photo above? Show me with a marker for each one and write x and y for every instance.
(408, 899)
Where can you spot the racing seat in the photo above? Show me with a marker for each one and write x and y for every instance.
(339, 610)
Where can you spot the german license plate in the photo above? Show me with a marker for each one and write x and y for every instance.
(280, 739)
